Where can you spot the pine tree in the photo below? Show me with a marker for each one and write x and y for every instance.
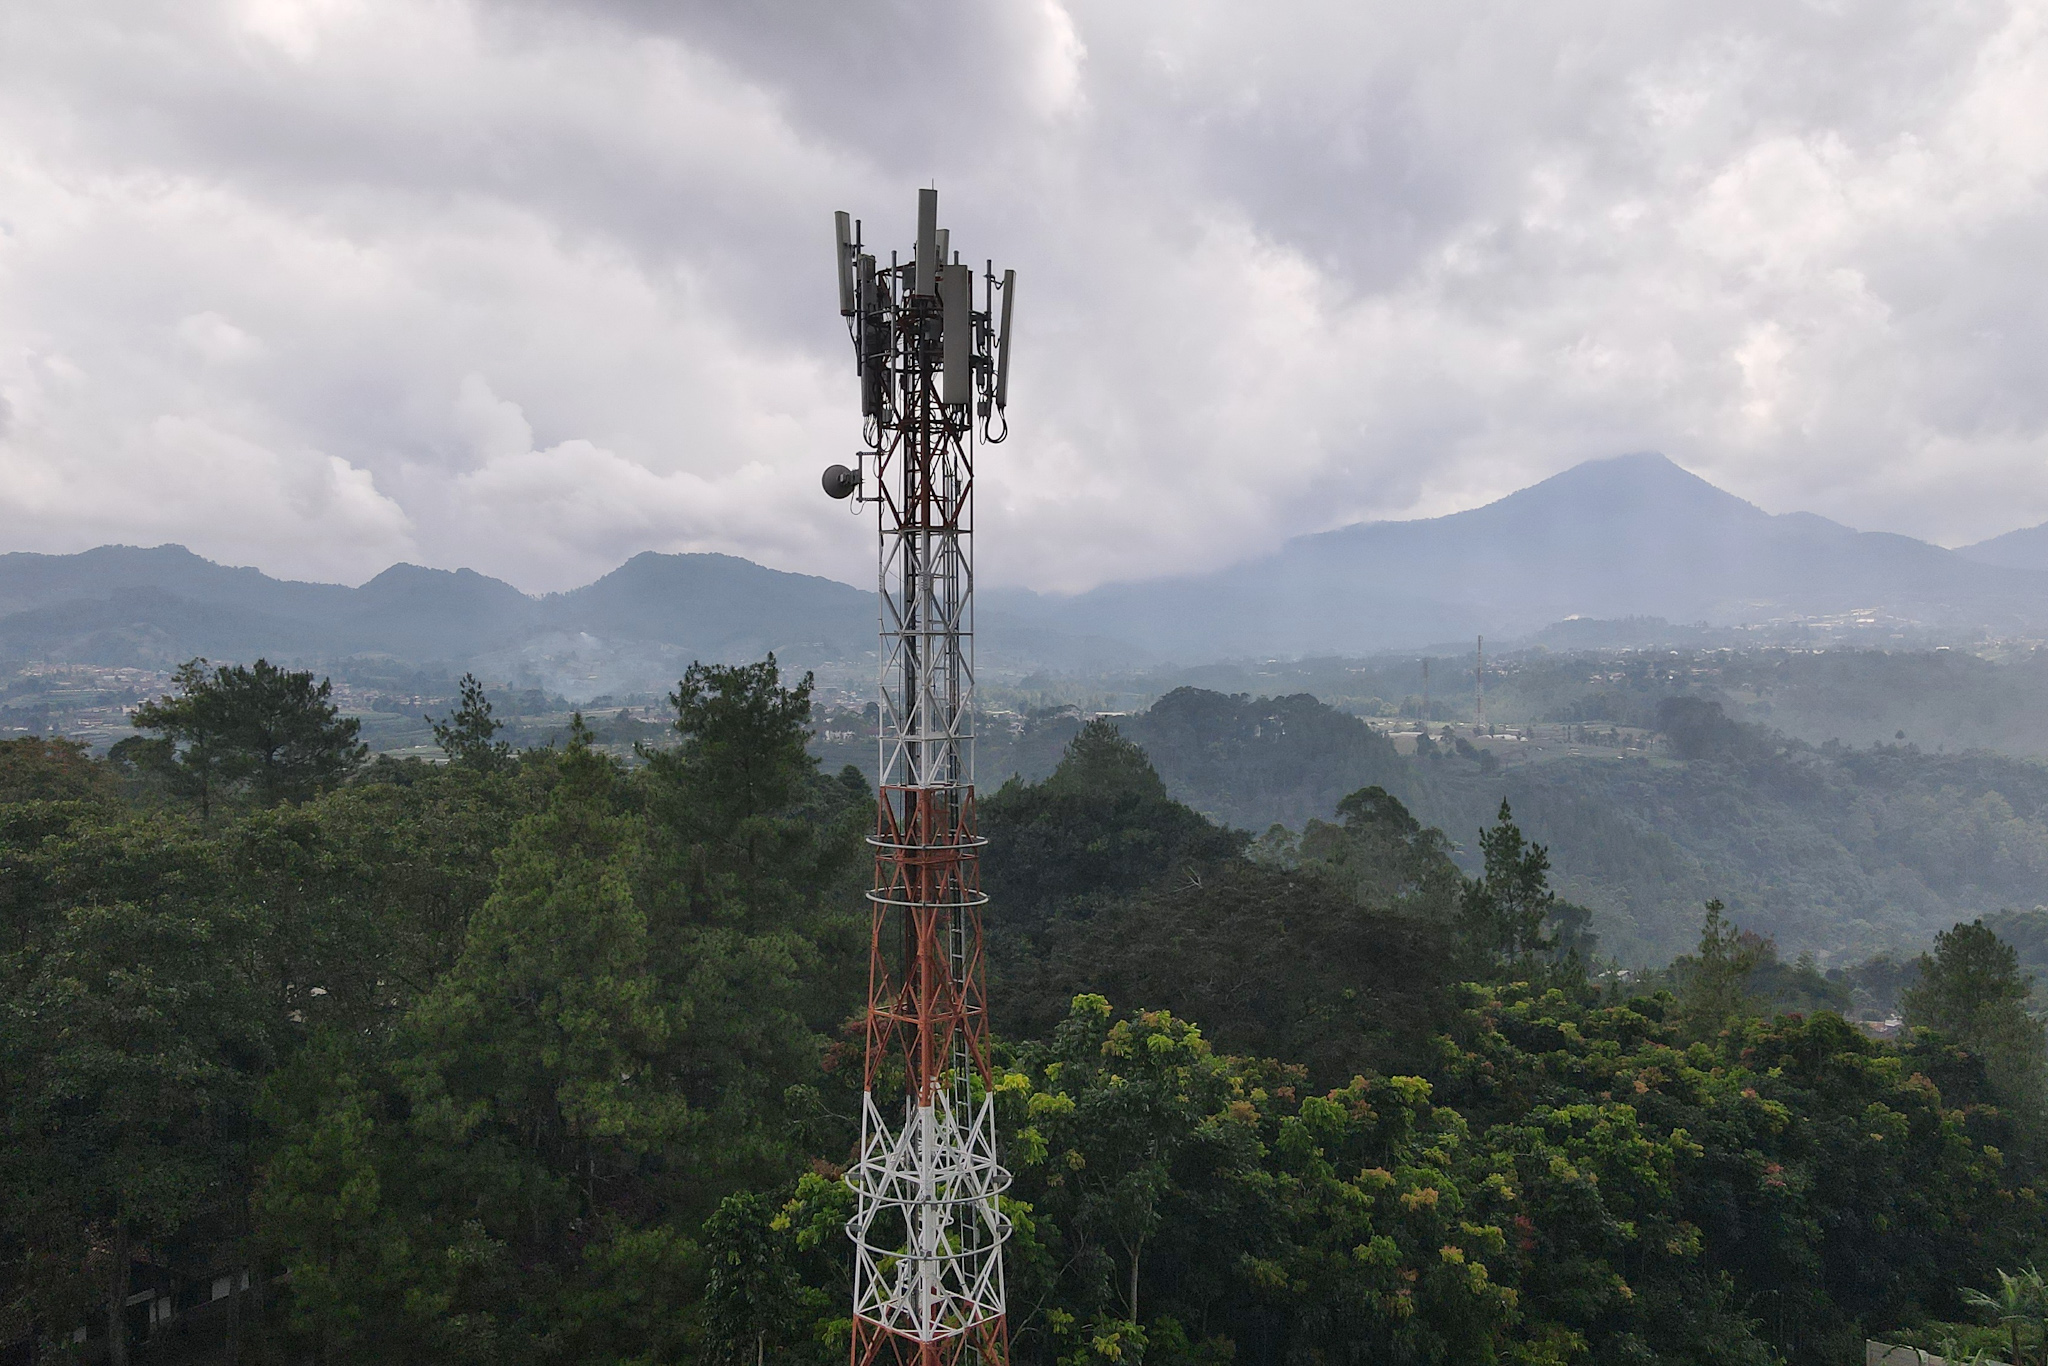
(1972, 991)
(1506, 910)
(257, 729)
(469, 734)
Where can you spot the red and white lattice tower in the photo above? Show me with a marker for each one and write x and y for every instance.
(928, 1228)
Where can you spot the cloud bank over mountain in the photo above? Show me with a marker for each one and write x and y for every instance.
(322, 284)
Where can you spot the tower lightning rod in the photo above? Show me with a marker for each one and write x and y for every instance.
(933, 357)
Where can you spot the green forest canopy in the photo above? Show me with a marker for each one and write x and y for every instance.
(541, 1057)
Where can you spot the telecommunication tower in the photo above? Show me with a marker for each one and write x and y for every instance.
(1479, 683)
(933, 355)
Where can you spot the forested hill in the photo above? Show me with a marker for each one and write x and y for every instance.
(1844, 851)
(1837, 851)
(1237, 759)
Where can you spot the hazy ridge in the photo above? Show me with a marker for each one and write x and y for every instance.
(1632, 537)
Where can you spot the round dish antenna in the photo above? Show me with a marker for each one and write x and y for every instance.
(841, 482)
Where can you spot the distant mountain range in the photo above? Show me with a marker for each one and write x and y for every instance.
(1629, 537)
(2026, 548)
(636, 628)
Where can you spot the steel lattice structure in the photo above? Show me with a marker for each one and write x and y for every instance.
(928, 1227)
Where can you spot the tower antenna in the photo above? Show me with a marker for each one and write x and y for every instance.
(927, 1228)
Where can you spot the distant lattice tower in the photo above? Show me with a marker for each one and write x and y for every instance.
(1479, 682)
(932, 351)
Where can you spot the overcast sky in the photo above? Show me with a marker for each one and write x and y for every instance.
(319, 285)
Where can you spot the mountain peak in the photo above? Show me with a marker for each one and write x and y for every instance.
(1627, 485)
(427, 588)
(1633, 535)
(2026, 548)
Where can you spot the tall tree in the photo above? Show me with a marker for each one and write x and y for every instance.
(1384, 855)
(1509, 907)
(1971, 990)
(1178, 1199)
(469, 1203)
(131, 1046)
(742, 736)
(273, 733)
(755, 858)
(524, 1172)
(1101, 826)
(468, 735)
(1714, 990)
(752, 1298)
(186, 747)
(33, 769)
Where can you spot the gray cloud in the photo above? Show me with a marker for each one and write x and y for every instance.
(320, 284)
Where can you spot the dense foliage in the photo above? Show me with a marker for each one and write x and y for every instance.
(1854, 850)
(540, 1056)
(1842, 850)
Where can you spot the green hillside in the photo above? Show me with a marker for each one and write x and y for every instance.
(1840, 850)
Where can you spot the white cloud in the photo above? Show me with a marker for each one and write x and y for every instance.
(217, 340)
(319, 284)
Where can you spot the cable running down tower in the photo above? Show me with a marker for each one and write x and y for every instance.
(932, 352)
